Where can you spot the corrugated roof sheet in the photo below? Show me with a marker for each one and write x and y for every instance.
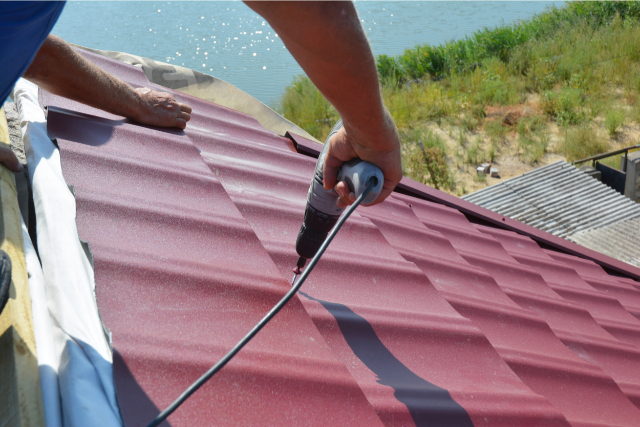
(558, 199)
(619, 240)
(414, 316)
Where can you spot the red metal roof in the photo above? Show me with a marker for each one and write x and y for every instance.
(414, 316)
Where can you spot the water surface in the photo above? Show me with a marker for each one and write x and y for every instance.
(228, 40)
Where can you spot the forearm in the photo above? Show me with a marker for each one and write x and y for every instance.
(62, 71)
(328, 42)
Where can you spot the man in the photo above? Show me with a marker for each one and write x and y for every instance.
(327, 40)
(62, 71)
(52, 64)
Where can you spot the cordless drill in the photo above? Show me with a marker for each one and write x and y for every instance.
(322, 211)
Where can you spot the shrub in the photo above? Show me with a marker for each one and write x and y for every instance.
(564, 106)
(495, 129)
(533, 146)
(583, 142)
(424, 159)
(388, 70)
(423, 60)
(613, 121)
(504, 41)
(304, 105)
(475, 154)
(530, 124)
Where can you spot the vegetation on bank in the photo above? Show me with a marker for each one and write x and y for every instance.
(566, 80)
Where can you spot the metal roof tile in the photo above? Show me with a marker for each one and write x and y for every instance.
(414, 316)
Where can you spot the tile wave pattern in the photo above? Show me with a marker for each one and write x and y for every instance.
(414, 316)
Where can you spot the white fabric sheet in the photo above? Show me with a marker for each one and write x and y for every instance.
(74, 355)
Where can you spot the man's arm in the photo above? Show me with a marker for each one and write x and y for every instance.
(62, 71)
(328, 42)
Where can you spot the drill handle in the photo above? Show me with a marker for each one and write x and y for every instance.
(357, 174)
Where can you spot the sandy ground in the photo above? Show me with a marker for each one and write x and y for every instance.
(508, 160)
(14, 131)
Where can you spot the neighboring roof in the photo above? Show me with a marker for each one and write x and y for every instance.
(620, 240)
(414, 316)
(557, 198)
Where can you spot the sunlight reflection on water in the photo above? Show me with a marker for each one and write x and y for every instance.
(230, 41)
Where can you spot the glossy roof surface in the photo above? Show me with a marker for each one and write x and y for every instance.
(414, 316)
(618, 240)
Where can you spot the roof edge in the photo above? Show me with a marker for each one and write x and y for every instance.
(421, 191)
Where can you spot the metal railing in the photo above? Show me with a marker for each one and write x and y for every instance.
(609, 154)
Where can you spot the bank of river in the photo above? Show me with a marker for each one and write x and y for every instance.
(228, 40)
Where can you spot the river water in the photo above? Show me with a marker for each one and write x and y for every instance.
(231, 42)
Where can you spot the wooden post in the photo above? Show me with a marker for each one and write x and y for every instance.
(20, 392)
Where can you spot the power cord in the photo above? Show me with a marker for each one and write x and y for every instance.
(211, 372)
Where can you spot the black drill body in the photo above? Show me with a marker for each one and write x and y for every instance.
(322, 211)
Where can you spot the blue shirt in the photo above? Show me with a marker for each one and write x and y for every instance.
(24, 25)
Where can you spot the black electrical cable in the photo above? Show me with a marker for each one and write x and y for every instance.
(211, 372)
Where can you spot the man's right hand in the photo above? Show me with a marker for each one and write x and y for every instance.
(379, 146)
(329, 43)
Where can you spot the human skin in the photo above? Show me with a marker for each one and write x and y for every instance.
(60, 70)
(327, 40)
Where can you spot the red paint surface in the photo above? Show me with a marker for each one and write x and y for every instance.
(193, 238)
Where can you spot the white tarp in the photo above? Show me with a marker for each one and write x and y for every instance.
(74, 355)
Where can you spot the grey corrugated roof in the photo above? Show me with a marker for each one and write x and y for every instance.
(557, 198)
(619, 240)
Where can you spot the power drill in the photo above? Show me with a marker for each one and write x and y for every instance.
(322, 211)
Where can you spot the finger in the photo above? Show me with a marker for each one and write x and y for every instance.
(185, 116)
(347, 197)
(9, 159)
(185, 107)
(180, 123)
(330, 171)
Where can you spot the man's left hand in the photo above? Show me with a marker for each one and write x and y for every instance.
(161, 109)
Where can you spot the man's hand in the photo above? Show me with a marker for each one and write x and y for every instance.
(329, 43)
(161, 109)
(64, 72)
(9, 159)
(379, 146)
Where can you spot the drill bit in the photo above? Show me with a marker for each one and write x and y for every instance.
(296, 271)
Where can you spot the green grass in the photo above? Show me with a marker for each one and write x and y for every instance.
(581, 61)
(613, 121)
(304, 105)
(582, 142)
(496, 130)
(501, 42)
(424, 159)
(533, 146)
